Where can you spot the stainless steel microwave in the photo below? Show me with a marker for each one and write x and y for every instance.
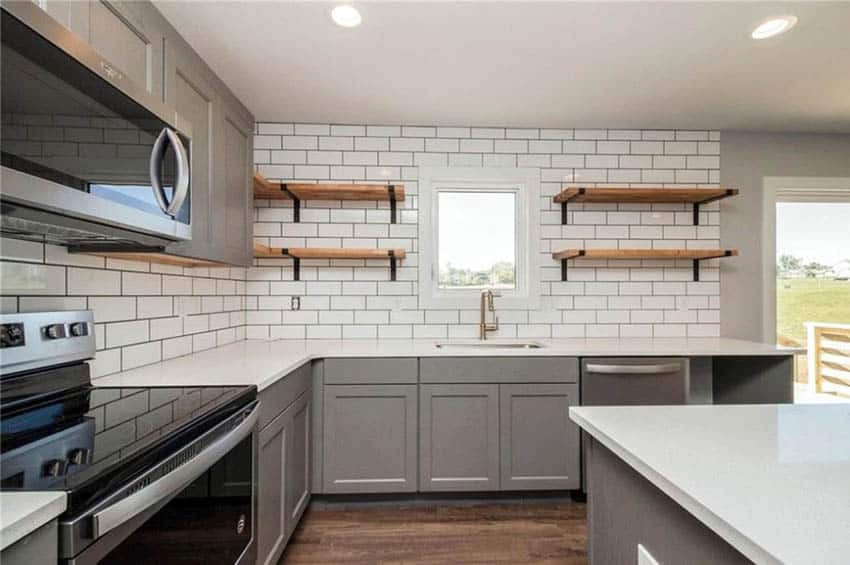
(88, 156)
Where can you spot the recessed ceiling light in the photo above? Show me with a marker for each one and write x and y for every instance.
(774, 26)
(346, 16)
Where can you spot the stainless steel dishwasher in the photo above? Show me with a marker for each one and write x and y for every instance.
(624, 381)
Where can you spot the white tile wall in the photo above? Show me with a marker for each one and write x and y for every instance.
(144, 312)
(600, 299)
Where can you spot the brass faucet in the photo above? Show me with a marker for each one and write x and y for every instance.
(487, 304)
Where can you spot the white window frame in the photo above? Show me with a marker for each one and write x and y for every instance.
(525, 183)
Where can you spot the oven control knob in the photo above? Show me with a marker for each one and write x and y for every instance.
(55, 331)
(79, 329)
(11, 335)
(54, 468)
(79, 456)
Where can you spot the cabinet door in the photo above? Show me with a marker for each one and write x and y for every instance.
(128, 35)
(459, 437)
(539, 442)
(233, 202)
(369, 438)
(70, 13)
(297, 488)
(273, 461)
(189, 90)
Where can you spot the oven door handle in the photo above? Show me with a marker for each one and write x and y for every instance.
(171, 484)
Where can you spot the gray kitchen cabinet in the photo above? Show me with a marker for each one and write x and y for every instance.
(297, 487)
(233, 200)
(539, 443)
(272, 523)
(189, 90)
(369, 438)
(129, 35)
(459, 437)
(283, 461)
(72, 14)
(40, 547)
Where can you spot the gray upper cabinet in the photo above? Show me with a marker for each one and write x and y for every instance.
(72, 14)
(459, 437)
(233, 202)
(369, 438)
(189, 90)
(130, 36)
(539, 443)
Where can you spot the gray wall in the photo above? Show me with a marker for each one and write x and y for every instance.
(746, 159)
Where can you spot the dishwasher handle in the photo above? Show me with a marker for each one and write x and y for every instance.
(654, 369)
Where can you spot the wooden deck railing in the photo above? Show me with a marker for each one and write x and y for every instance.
(828, 350)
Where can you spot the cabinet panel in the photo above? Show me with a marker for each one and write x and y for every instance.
(126, 34)
(234, 200)
(459, 437)
(539, 442)
(191, 94)
(369, 438)
(70, 13)
(371, 371)
(297, 487)
(271, 500)
(498, 369)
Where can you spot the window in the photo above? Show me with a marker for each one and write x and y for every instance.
(476, 232)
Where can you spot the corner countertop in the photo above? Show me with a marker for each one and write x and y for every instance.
(772, 480)
(24, 512)
(261, 362)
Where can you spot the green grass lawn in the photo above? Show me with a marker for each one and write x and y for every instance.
(810, 300)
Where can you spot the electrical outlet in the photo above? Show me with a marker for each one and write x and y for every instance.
(295, 303)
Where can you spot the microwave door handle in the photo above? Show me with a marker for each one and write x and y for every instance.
(167, 486)
(182, 188)
(157, 154)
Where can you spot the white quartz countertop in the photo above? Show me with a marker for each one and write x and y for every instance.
(772, 480)
(261, 363)
(22, 513)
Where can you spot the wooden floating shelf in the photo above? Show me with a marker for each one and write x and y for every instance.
(270, 190)
(650, 195)
(145, 254)
(297, 253)
(695, 255)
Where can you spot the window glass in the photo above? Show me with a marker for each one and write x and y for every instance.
(476, 241)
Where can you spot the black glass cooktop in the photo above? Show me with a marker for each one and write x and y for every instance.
(87, 440)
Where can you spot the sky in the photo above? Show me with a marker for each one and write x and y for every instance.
(813, 231)
(476, 229)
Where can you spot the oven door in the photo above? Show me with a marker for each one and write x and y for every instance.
(197, 506)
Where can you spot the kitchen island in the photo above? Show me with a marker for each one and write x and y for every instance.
(718, 484)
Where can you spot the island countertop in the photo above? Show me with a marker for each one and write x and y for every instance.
(771, 480)
(261, 362)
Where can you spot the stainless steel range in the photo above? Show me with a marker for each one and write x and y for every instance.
(153, 475)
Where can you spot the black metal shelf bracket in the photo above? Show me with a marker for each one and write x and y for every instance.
(581, 192)
(581, 253)
(727, 192)
(727, 253)
(393, 265)
(296, 264)
(296, 203)
(392, 195)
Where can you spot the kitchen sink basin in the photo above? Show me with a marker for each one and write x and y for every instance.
(488, 345)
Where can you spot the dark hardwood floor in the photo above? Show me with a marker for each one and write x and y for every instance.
(546, 532)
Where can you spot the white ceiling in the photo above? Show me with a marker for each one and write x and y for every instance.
(548, 64)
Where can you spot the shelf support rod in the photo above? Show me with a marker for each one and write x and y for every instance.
(392, 195)
(296, 202)
(393, 266)
(696, 270)
(296, 264)
(696, 213)
(564, 213)
(563, 269)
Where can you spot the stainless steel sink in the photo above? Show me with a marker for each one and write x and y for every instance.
(488, 345)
